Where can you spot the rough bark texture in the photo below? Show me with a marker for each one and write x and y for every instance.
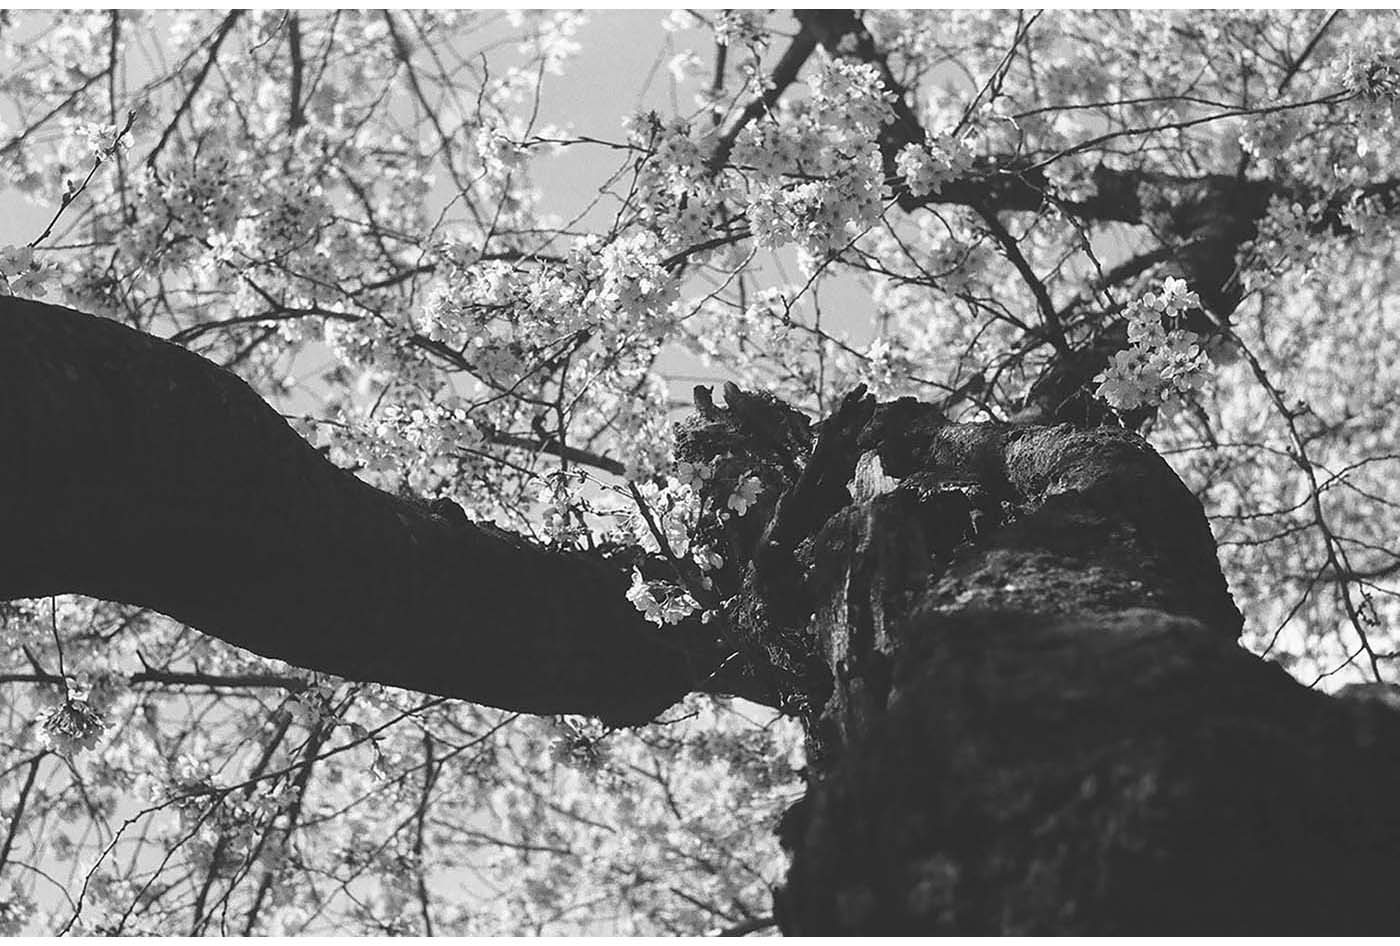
(1035, 717)
(1128, 772)
(136, 471)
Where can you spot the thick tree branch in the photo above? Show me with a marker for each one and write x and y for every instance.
(563, 451)
(1037, 717)
(296, 117)
(138, 472)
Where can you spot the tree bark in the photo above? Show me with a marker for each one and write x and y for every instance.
(136, 471)
(1128, 773)
(1037, 718)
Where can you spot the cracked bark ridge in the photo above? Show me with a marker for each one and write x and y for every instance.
(1037, 717)
(1082, 518)
(755, 434)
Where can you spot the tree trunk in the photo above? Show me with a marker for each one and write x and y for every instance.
(1039, 719)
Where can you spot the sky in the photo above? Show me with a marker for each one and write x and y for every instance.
(620, 66)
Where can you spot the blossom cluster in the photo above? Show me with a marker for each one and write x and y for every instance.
(496, 311)
(558, 494)
(817, 180)
(739, 26)
(675, 505)
(1289, 237)
(15, 910)
(71, 727)
(22, 274)
(927, 167)
(661, 602)
(104, 138)
(1374, 73)
(1161, 362)
(679, 198)
(814, 179)
(674, 509)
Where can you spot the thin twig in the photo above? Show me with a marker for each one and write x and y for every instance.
(18, 815)
(71, 194)
(1307, 51)
(219, 35)
(57, 642)
(1042, 295)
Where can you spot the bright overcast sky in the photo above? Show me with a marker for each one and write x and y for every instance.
(621, 67)
(607, 79)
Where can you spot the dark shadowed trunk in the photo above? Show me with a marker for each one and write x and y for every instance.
(1012, 645)
(1037, 718)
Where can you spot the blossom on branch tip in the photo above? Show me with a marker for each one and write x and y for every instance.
(71, 727)
(1162, 362)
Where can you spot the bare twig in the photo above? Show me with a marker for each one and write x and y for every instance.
(1013, 253)
(18, 816)
(71, 194)
(998, 76)
(58, 109)
(1307, 51)
(1336, 557)
(219, 36)
(430, 772)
